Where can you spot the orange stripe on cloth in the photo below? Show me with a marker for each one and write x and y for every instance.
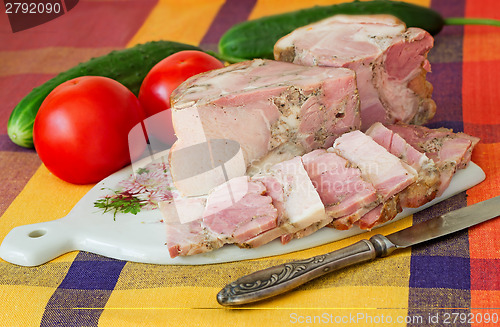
(482, 42)
(485, 307)
(169, 20)
(50, 60)
(487, 156)
(484, 240)
(480, 92)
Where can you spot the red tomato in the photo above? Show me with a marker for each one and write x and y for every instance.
(162, 79)
(169, 73)
(81, 129)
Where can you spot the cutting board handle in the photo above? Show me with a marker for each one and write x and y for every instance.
(35, 244)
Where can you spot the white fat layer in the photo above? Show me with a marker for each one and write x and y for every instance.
(303, 205)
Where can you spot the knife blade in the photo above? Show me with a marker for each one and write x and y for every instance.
(276, 280)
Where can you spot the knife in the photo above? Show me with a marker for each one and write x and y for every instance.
(272, 281)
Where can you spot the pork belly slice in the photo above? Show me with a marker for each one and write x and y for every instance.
(386, 172)
(340, 186)
(234, 212)
(449, 151)
(239, 209)
(390, 63)
(262, 105)
(185, 232)
(428, 180)
(384, 212)
(296, 199)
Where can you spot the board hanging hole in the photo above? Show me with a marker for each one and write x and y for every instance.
(37, 233)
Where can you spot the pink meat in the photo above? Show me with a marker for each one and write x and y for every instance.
(449, 151)
(190, 239)
(390, 63)
(263, 105)
(381, 214)
(185, 232)
(428, 180)
(340, 186)
(383, 170)
(275, 190)
(302, 204)
(386, 172)
(239, 209)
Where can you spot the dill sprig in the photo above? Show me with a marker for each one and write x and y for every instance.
(120, 202)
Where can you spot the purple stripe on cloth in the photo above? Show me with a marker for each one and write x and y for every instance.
(446, 79)
(456, 126)
(80, 298)
(440, 269)
(440, 264)
(446, 61)
(440, 272)
(230, 13)
(7, 145)
(435, 304)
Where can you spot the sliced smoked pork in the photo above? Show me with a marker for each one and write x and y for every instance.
(339, 184)
(297, 198)
(239, 209)
(383, 213)
(386, 172)
(185, 233)
(263, 105)
(426, 187)
(449, 151)
(245, 211)
(363, 180)
(390, 63)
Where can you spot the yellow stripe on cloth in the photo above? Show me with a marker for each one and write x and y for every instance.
(190, 306)
(42, 187)
(186, 295)
(21, 304)
(170, 20)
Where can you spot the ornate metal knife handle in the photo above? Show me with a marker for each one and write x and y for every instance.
(282, 278)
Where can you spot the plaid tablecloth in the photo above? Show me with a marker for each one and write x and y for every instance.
(450, 282)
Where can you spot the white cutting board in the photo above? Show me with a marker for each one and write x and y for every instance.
(141, 237)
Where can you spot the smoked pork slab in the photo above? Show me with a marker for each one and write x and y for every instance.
(264, 106)
(390, 63)
(296, 199)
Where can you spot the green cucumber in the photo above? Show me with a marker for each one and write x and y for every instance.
(256, 38)
(127, 66)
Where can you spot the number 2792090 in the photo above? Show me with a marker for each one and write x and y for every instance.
(32, 8)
